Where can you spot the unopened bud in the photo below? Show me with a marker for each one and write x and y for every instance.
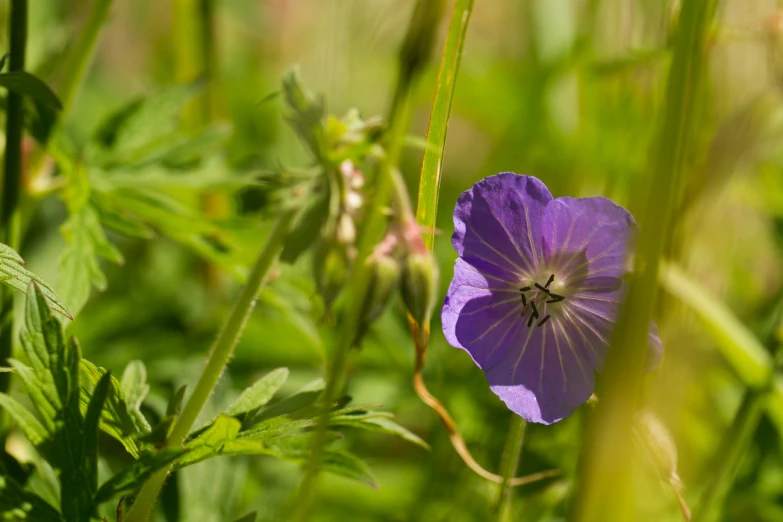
(330, 269)
(419, 285)
(384, 272)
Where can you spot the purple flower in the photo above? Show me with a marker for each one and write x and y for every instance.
(536, 291)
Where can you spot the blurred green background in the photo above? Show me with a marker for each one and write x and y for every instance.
(566, 90)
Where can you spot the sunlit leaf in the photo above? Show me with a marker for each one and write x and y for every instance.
(31, 426)
(14, 274)
(259, 393)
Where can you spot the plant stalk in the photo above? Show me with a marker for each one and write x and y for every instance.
(12, 177)
(508, 468)
(219, 355)
(605, 490)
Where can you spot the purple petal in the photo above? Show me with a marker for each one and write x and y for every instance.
(593, 227)
(546, 377)
(593, 313)
(497, 225)
(481, 314)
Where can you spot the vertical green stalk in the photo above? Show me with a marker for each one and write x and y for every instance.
(508, 468)
(12, 176)
(219, 355)
(415, 50)
(605, 489)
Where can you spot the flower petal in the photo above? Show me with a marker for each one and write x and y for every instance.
(497, 225)
(481, 314)
(546, 377)
(593, 315)
(593, 227)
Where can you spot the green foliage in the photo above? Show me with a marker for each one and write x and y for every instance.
(25, 83)
(14, 274)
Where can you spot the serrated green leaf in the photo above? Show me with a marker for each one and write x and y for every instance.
(260, 393)
(14, 274)
(146, 121)
(25, 83)
(115, 417)
(135, 387)
(349, 466)
(80, 269)
(119, 220)
(173, 150)
(132, 477)
(32, 428)
(52, 382)
(384, 425)
(18, 504)
(304, 397)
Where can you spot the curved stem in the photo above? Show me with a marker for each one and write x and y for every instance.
(219, 354)
(508, 468)
(454, 435)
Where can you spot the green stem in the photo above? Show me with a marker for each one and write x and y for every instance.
(508, 468)
(415, 50)
(12, 180)
(219, 355)
(606, 488)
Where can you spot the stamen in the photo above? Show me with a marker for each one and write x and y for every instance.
(524, 289)
(535, 310)
(543, 289)
(549, 281)
(530, 321)
(555, 298)
(545, 319)
(524, 300)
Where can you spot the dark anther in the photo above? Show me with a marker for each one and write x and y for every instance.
(549, 281)
(555, 298)
(530, 320)
(542, 321)
(535, 310)
(524, 289)
(524, 300)
(543, 289)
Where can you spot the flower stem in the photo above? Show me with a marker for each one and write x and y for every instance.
(605, 489)
(219, 354)
(454, 435)
(415, 49)
(12, 179)
(508, 468)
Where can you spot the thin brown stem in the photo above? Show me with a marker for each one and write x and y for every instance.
(421, 339)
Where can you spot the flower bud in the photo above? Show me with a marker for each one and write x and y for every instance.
(384, 272)
(419, 285)
(330, 269)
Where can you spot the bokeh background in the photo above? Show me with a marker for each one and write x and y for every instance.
(567, 90)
